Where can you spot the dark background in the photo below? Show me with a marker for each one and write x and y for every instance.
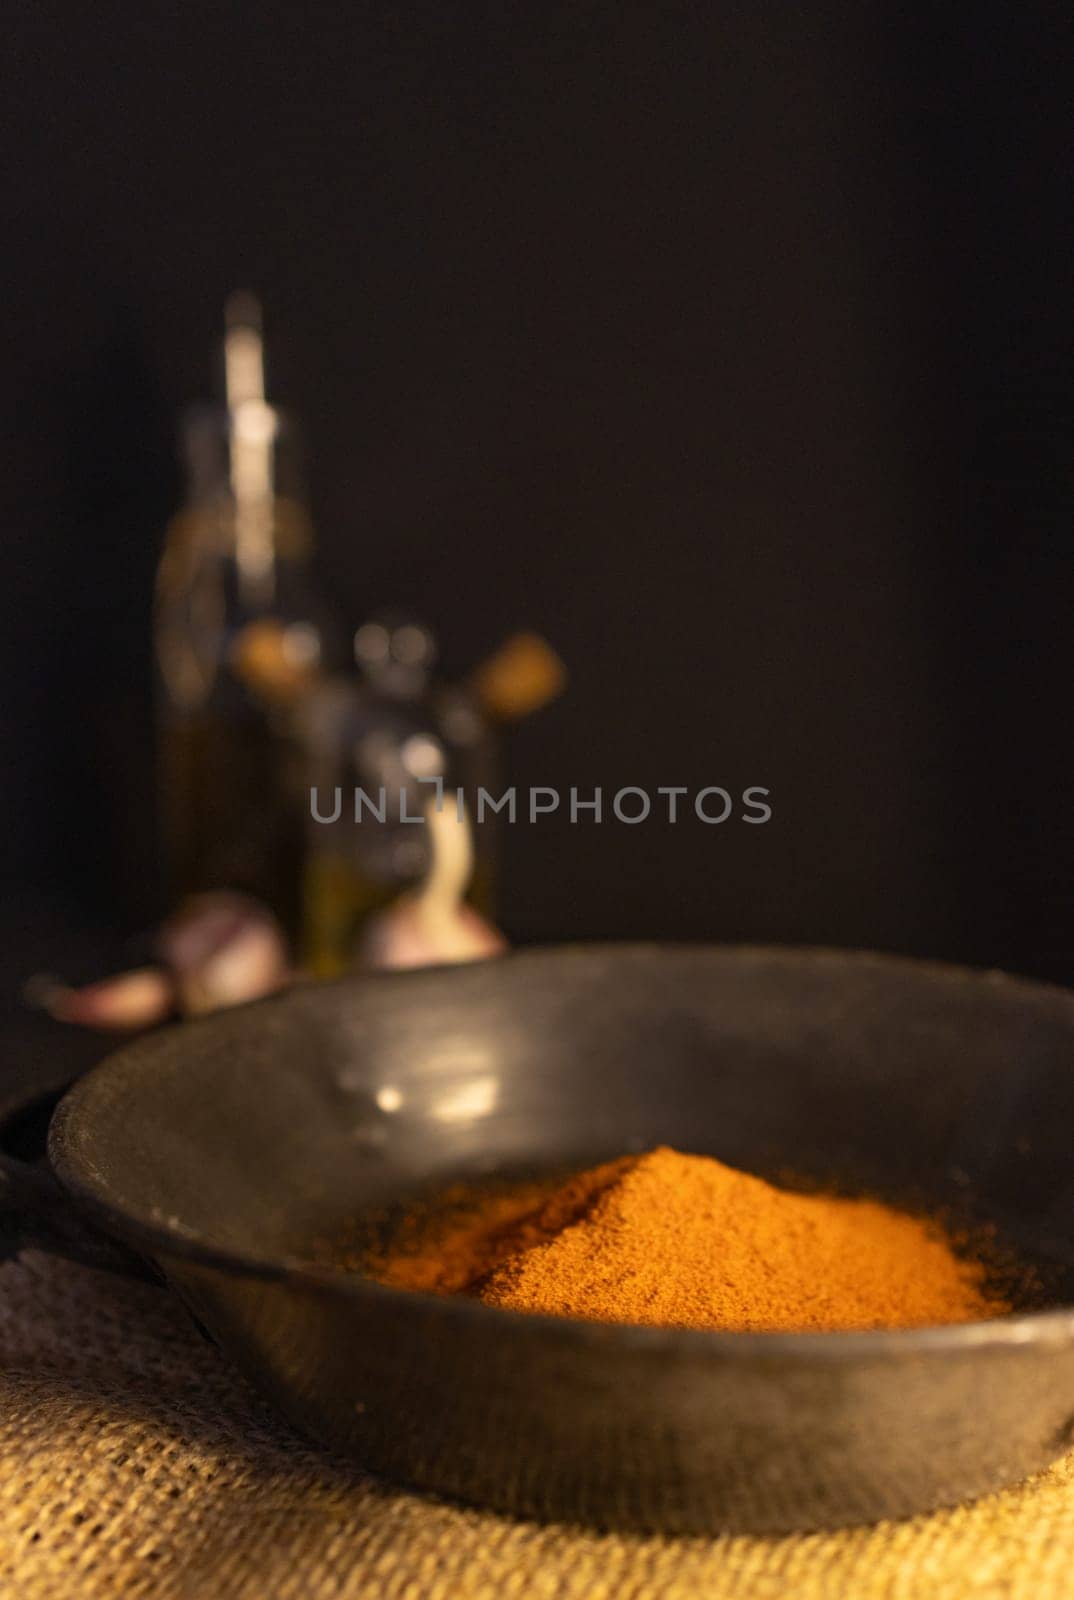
(728, 345)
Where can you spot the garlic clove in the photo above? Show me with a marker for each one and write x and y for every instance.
(402, 936)
(224, 949)
(125, 1002)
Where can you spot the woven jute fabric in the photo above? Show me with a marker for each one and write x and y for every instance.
(134, 1462)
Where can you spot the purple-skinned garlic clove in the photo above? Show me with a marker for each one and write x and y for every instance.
(223, 949)
(123, 1003)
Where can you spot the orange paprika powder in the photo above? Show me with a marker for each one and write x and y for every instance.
(684, 1241)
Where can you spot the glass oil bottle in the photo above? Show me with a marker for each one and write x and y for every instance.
(240, 637)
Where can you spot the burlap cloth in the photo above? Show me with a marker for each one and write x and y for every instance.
(135, 1462)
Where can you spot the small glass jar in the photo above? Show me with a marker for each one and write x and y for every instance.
(382, 745)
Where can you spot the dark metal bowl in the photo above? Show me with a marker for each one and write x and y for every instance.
(221, 1150)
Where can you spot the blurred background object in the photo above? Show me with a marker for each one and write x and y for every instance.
(216, 950)
(380, 743)
(432, 924)
(257, 717)
(729, 351)
(241, 633)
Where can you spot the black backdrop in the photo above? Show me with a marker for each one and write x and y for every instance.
(728, 345)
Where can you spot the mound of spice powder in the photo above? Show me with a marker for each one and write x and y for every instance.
(685, 1241)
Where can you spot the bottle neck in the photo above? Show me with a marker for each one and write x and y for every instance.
(244, 500)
